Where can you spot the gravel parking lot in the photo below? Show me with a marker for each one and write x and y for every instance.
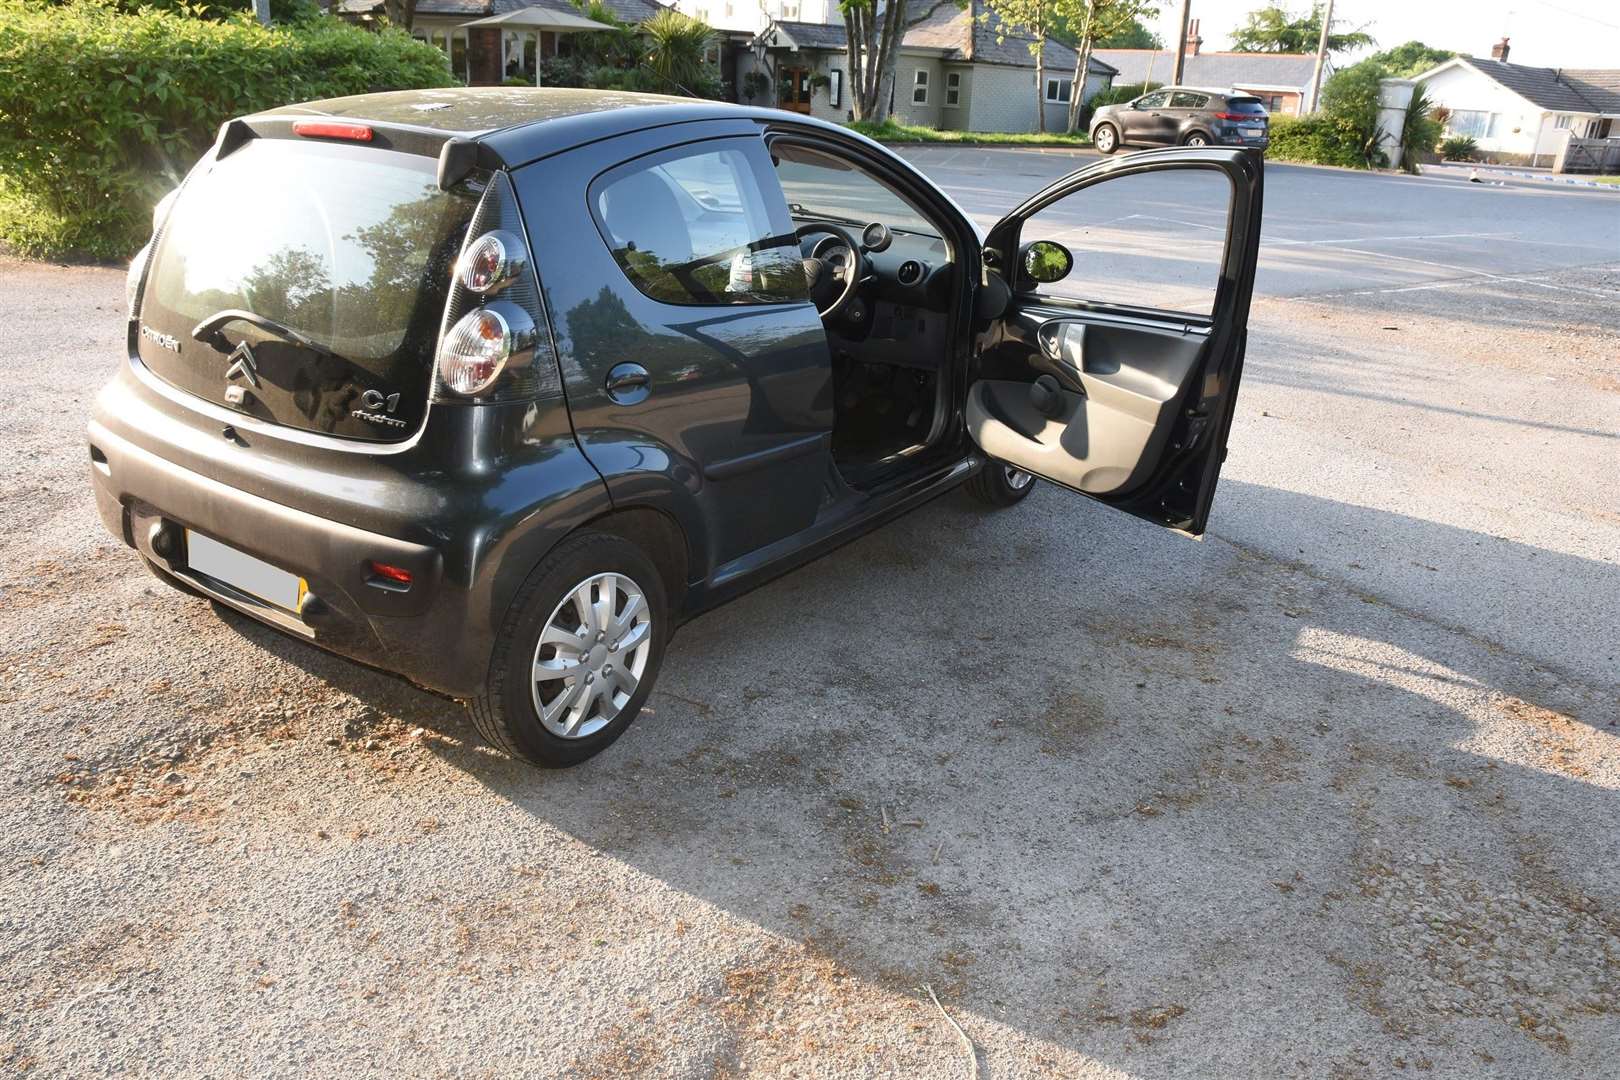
(1330, 793)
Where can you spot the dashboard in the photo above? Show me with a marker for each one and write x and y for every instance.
(909, 268)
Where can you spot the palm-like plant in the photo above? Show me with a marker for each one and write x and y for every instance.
(1421, 132)
(678, 45)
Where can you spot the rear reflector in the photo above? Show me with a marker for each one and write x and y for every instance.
(331, 129)
(395, 574)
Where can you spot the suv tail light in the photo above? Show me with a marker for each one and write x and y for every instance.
(493, 344)
(1253, 118)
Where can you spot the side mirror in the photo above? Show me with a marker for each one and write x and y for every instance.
(1046, 261)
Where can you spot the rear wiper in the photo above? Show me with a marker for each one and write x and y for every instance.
(209, 329)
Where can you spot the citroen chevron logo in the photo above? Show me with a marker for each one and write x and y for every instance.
(241, 359)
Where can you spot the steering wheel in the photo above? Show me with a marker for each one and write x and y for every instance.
(832, 287)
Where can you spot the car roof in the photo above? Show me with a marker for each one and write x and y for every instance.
(523, 124)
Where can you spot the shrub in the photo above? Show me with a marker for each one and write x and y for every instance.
(102, 111)
(1458, 148)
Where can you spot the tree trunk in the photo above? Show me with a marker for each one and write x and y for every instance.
(1082, 66)
(855, 36)
(401, 13)
(1040, 85)
(1082, 70)
(894, 15)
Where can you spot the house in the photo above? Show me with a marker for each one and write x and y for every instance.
(485, 55)
(1281, 80)
(1518, 114)
(959, 69)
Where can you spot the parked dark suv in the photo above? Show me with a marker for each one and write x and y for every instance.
(493, 388)
(1183, 116)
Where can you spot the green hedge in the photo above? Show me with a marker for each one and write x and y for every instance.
(102, 111)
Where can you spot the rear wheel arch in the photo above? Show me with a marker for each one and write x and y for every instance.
(660, 536)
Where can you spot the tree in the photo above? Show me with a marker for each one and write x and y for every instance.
(1404, 61)
(1035, 18)
(1131, 36)
(1099, 20)
(1274, 29)
(874, 48)
(678, 45)
(402, 13)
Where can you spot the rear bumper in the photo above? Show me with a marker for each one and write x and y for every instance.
(420, 632)
(468, 536)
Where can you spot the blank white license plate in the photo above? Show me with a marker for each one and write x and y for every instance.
(1252, 133)
(242, 571)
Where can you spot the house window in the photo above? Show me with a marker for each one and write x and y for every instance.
(919, 87)
(1274, 103)
(1058, 91)
(729, 11)
(1471, 122)
(835, 87)
(790, 10)
(1563, 122)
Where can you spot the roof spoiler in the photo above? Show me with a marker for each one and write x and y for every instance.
(458, 157)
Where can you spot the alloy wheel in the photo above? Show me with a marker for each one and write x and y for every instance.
(1105, 139)
(1017, 479)
(591, 655)
(1197, 140)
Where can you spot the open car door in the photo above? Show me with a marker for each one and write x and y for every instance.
(1113, 383)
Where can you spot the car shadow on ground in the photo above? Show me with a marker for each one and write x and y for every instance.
(1150, 802)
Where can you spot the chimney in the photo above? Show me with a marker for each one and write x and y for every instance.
(1499, 51)
(1193, 40)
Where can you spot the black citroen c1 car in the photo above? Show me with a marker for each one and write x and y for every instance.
(492, 388)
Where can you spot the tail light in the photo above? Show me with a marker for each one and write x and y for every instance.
(1253, 118)
(493, 343)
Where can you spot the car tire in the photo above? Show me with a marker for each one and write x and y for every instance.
(1197, 138)
(1105, 138)
(999, 484)
(508, 712)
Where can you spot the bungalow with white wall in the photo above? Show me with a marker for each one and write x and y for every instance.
(1519, 114)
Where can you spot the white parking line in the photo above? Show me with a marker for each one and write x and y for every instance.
(1378, 239)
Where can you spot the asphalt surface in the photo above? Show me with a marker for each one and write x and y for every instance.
(1330, 793)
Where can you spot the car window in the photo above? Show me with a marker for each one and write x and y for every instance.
(1153, 101)
(1183, 100)
(1251, 105)
(1147, 240)
(822, 187)
(693, 227)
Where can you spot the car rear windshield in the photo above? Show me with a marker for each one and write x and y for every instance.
(1246, 105)
(350, 246)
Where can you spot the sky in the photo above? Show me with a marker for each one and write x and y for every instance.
(1544, 33)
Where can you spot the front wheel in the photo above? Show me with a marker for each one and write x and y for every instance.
(1105, 139)
(578, 655)
(999, 484)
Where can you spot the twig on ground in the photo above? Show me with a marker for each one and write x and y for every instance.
(885, 812)
(937, 850)
(967, 1043)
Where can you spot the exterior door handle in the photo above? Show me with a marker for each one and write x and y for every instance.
(628, 384)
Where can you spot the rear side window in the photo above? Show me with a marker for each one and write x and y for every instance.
(693, 227)
(350, 247)
(1251, 105)
(1182, 100)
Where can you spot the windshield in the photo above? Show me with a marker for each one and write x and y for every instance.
(820, 187)
(332, 241)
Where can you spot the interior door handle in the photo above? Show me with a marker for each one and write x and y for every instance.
(628, 384)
